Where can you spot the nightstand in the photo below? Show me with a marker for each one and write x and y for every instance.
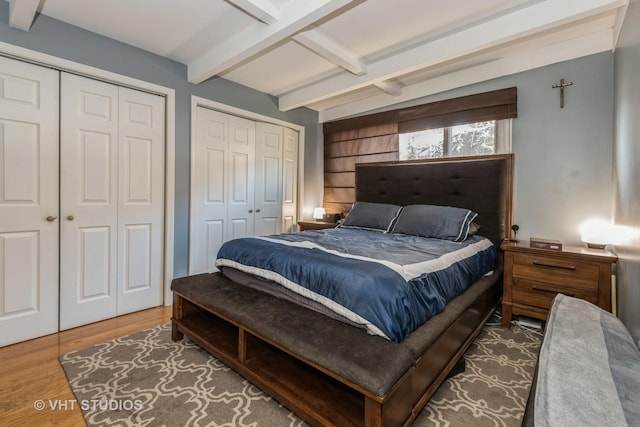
(315, 225)
(533, 277)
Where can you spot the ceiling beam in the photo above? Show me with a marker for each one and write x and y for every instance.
(549, 54)
(390, 87)
(323, 45)
(258, 38)
(506, 28)
(262, 10)
(22, 13)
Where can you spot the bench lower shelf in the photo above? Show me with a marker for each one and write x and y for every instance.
(307, 391)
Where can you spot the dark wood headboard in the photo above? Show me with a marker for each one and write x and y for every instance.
(483, 184)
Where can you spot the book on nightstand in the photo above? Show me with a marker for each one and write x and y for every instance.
(537, 242)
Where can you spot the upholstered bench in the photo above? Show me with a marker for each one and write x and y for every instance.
(326, 371)
(372, 363)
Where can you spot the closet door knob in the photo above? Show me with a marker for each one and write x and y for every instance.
(70, 218)
(257, 210)
(51, 218)
(250, 210)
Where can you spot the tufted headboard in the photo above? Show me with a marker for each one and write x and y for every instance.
(483, 184)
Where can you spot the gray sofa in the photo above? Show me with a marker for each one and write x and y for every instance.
(588, 372)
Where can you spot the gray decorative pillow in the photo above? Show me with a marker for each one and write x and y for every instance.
(440, 222)
(372, 216)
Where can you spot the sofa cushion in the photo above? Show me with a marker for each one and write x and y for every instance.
(588, 370)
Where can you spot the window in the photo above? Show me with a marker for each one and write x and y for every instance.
(471, 139)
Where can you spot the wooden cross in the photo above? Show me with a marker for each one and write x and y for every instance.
(562, 85)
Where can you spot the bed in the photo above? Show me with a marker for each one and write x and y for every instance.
(333, 372)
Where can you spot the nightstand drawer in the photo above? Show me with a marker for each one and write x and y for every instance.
(557, 271)
(541, 294)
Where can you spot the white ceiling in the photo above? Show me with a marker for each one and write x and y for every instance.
(345, 57)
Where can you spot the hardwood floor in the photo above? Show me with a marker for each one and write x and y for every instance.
(30, 374)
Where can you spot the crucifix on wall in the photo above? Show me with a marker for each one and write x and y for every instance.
(561, 86)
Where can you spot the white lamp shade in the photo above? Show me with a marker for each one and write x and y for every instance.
(318, 213)
(599, 233)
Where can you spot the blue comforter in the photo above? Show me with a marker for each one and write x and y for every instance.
(389, 283)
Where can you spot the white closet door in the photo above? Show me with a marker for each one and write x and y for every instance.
(140, 200)
(222, 185)
(209, 171)
(290, 181)
(268, 195)
(28, 196)
(241, 173)
(88, 200)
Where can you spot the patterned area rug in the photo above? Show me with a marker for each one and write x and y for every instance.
(145, 379)
(493, 389)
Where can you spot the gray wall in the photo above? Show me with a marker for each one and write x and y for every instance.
(563, 157)
(59, 39)
(627, 166)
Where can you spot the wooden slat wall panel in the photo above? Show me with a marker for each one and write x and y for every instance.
(456, 118)
(367, 132)
(344, 148)
(348, 164)
(339, 173)
(360, 127)
(340, 195)
(470, 104)
(377, 144)
(340, 179)
(335, 207)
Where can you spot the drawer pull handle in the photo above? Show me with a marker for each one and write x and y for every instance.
(562, 267)
(536, 288)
